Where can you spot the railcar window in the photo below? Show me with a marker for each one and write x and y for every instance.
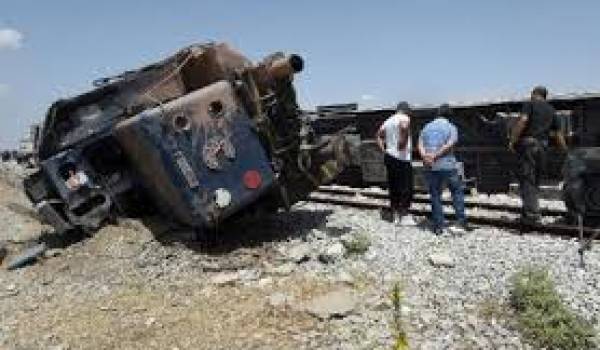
(566, 122)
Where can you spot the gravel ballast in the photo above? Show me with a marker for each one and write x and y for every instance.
(142, 284)
(461, 302)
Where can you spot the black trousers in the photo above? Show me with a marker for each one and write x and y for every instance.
(400, 183)
(531, 155)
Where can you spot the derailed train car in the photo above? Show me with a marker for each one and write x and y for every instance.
(482, 146)
(200, 136)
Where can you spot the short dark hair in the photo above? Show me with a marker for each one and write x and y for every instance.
(444, 110)
(403, 107)
(540, 91)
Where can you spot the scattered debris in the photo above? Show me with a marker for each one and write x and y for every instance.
(107, 308)
(52, 253)
(332, 253)
(335, 304)
(150, 321)
(441, 260)
(3, 251)
(278, 300)
(224, 278)
(378, 303)
(247, 275)
(345, 277)
(29, 256)
(298, 253)
(264, 282)
(282, 270)
(59, 347)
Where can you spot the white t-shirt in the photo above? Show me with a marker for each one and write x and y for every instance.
(391, 127)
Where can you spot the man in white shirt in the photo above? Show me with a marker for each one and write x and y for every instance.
(393, 138)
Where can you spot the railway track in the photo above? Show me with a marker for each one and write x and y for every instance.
(479, 213)
(424, 199)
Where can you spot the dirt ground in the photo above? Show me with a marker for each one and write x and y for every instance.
(128, 287)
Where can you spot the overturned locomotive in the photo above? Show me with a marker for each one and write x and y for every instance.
(199, 137)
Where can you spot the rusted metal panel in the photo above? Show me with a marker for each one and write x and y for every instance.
(189, 148)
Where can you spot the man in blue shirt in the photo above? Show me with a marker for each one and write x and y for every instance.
(436, 142)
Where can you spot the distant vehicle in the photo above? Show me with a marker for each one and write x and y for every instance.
(27, 151)
(5, 155)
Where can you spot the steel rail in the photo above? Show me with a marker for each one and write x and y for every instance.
(420, 198)
(511, 223)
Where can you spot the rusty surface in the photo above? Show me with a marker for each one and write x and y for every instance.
(200, 136)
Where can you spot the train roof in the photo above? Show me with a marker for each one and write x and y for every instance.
(567, 97)
(498, 103)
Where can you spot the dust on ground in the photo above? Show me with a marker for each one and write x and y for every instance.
(128, 287)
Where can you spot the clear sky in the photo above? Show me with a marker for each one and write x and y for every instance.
(371, 52)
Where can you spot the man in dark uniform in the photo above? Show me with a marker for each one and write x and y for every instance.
(529, 139)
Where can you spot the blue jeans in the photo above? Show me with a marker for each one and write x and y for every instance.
(435, 180)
